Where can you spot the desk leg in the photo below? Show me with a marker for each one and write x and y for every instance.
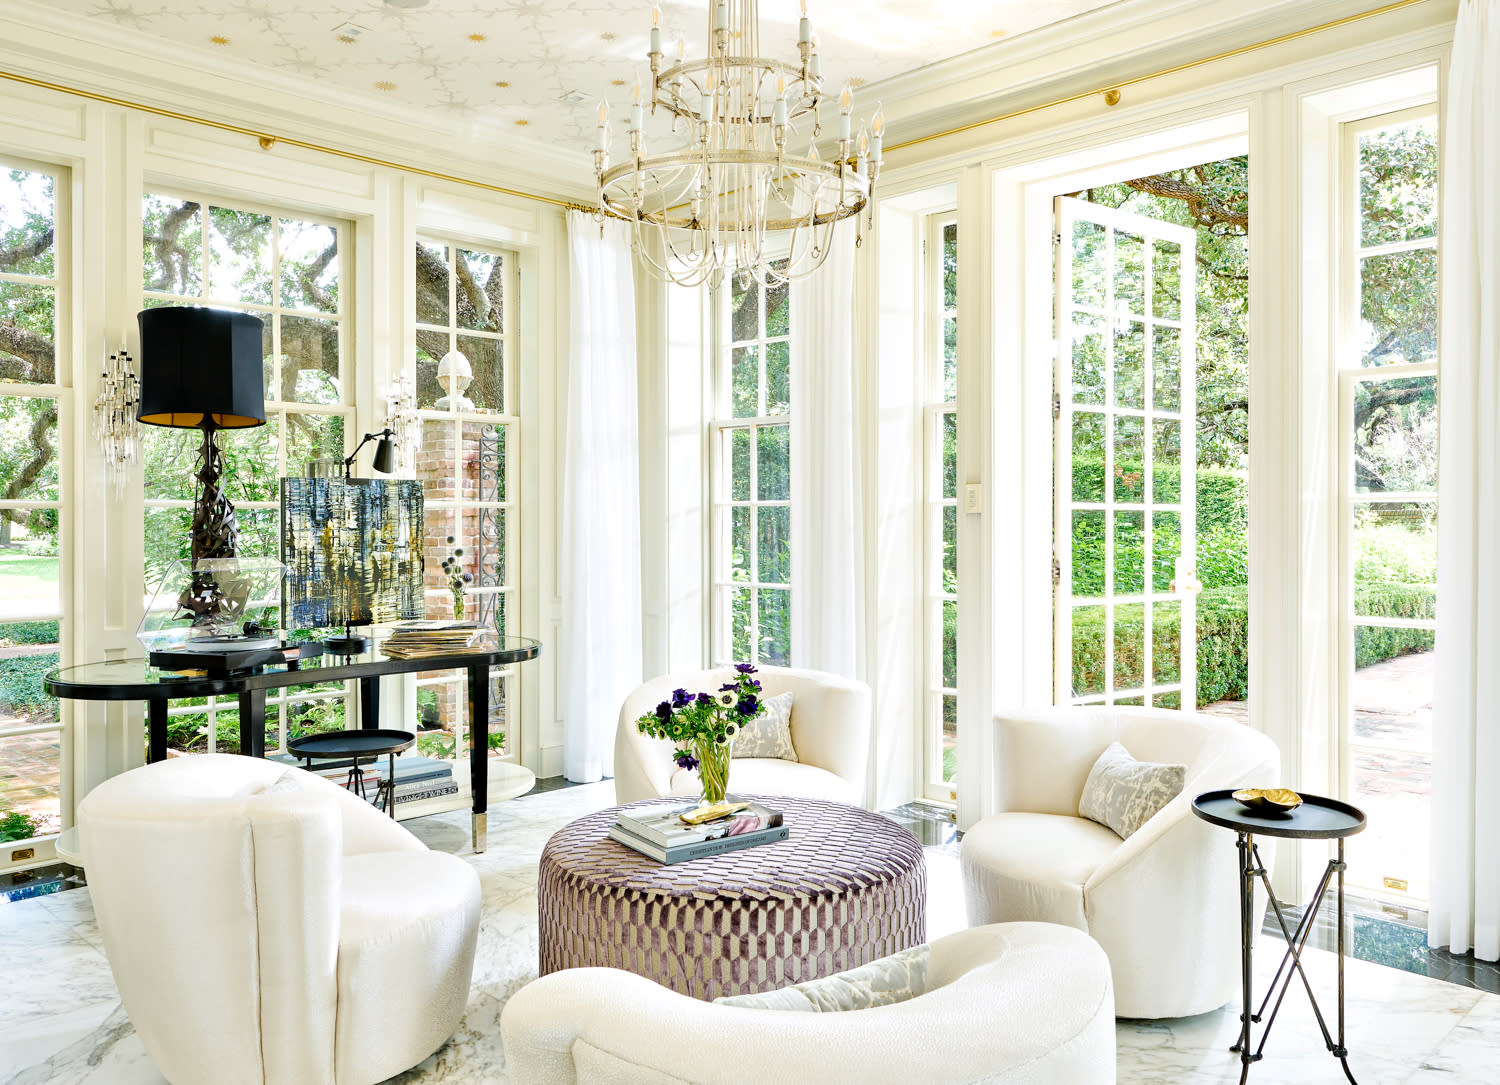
(156, 723)
(479, 750)
(1341, 1051)
(253, 723)
(369, 702)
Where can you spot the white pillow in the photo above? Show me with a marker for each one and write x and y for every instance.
(896, 978)
(1122, 793)
(770, 735)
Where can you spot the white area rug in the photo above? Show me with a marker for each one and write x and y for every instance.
(61, 1021)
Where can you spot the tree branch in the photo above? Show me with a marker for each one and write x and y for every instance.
(41, 455)
(26, 356)
(26, 250)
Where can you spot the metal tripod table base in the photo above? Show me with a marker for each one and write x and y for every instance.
(1316, 819)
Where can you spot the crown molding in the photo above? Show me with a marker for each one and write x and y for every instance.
(1095, 49)
(124, 63)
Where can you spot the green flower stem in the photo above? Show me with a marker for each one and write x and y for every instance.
(713, 769)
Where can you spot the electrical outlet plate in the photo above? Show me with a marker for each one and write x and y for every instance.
(973, 497)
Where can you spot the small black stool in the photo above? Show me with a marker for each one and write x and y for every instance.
(368, 742)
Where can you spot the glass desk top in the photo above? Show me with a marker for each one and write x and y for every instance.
(133, 679)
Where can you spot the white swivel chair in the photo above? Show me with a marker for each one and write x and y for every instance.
(1163, 903)
(830, 725)
(1015, 1004)
(265, 926)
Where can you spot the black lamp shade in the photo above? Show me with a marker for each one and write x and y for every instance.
(385, 456)
(200, 365)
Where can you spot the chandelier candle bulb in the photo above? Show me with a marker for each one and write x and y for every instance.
(656, 31)
(804, 27)
(721, 15)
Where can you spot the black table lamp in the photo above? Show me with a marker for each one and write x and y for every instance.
(203, 369)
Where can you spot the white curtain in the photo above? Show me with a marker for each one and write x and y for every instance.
(1465, 905)
(827, 529)
(600, 652)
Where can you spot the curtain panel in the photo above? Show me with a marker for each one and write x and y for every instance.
(600, 639)
(1464, 911)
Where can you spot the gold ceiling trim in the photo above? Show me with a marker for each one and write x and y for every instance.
(1111, 92)
(267, 140)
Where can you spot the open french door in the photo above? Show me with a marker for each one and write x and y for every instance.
(1125, 532)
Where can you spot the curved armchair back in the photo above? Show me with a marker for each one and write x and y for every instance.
(1067, 742)
(212, 885)
(830, 726)
(1021, 1003)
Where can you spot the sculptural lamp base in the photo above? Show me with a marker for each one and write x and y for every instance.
(215, 529)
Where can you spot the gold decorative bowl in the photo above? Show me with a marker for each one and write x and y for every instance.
(1268, 800)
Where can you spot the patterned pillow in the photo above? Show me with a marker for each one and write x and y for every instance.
(891, 979)
(769, 736)
(1122, 793)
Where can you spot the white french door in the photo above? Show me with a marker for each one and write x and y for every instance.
(1125, 484)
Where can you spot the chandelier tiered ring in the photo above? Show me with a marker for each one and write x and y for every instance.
(734, 195)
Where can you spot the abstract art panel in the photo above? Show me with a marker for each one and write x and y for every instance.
(352, 550)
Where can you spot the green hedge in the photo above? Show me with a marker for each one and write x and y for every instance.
(28, 632)
(21, 683)
(1223, 639)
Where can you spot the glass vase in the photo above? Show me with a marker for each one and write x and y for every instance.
(713, 770)
(458, 608)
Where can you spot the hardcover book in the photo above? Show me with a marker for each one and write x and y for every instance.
(701, 849)
(662, 825)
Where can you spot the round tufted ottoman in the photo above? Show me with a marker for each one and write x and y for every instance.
(845, 888)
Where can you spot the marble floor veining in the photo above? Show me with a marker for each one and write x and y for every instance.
(61, 1021)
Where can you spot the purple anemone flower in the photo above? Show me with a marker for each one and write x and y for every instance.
(745, 668)
(747, 706)
(680, 698)
(729, 687)
(684, 760)
(704, 699)
(664, 711)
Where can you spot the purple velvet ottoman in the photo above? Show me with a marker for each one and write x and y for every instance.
(845, 888)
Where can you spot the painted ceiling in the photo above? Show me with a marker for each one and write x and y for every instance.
(539, 67)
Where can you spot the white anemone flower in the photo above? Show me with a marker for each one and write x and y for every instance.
(727, 698)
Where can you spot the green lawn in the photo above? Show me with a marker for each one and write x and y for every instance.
(28, 585)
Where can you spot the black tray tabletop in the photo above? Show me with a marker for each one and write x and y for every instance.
(1318, 818)
(136, 679)
(372, 742)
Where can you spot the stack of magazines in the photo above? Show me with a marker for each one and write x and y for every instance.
(658, 831)
(414, 640)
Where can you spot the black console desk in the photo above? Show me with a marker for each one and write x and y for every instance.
(137, 680)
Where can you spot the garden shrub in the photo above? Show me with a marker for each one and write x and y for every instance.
(1223, 639)
(21, 686)
(15, 825)
(28, 632)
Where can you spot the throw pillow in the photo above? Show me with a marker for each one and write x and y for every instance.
(770, 735)
(1122, 793)
(891, 979)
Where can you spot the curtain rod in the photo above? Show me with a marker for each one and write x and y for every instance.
(1111, 94)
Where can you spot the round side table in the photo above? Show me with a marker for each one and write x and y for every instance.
(845, 888)
(371, 742)
(1317, 818)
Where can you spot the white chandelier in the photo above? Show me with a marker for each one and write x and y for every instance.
(736, 195)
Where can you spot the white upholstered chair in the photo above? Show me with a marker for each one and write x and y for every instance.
(265, 926)
(1019, 1004)
(1163, 903)
(830, 731)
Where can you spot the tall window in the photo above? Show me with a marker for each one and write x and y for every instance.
(1388, 388)
(466, 396)
(288, 271)
(752, 512)
(941, 527)
(32, 385)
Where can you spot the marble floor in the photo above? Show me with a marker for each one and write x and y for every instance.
(61, 1021)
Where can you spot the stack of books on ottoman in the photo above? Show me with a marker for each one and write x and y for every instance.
(660, 832)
